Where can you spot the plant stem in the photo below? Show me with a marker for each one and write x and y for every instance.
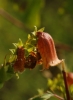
(13, 20)
(65, 82)
(55, 95)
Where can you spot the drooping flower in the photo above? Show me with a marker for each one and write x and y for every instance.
(47, 50)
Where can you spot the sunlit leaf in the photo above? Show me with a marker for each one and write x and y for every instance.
(30, 49)
(20, 43)
(12, 58)
(34, 33)
(37, 97)
(29, 36)
(41, 30)
(50, 82)
(35, 30)
(17, 75)
(40, 91)
(15, 45)
(12, 51)
(46, 96)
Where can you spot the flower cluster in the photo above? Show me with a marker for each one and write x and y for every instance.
(38, 49)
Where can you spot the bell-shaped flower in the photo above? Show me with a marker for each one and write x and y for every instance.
(46, 48)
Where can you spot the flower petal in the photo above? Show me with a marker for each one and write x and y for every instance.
(47, 49)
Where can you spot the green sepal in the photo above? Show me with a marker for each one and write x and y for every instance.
(15, 45)
(20, 43)
(35, 29)
(12, 58)
(12, 51)
(41, 30)
(29, 36)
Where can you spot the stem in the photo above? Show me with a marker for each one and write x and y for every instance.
(60, 98)
(65, 81)
(55, 95)
(13, 20)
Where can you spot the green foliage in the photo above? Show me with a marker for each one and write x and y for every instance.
(57, 88)
(46, 96)
(58, 84)
(6, 73)
(57, 17)
(7, 69)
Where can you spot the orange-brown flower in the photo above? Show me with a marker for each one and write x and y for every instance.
(47, 49)
(30, 61)
(70, 78)
(20, 60)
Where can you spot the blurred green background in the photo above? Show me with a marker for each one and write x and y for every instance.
(17, 19)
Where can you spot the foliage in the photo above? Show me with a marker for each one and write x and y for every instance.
(30, 54)
(57, 18)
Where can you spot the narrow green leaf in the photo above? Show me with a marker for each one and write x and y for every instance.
(37, 97)
(20, 43)
(42, 29)
(35, 30)
(29, 36)
(12, 58)
(15, 45)
(12, 51)
(47, 96)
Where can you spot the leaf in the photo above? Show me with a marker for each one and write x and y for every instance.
(12, 58)
(41, 30)
(29, 36)
(35, 30)
(47, 96)
(12, 51)
(15, 45)
(37, 97)
(20, 43)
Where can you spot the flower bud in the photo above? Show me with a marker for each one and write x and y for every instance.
(46, 48)
(20, 60)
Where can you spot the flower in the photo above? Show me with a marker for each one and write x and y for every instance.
(30, 61)
(46, 48)
(70, 78)
(20, 60)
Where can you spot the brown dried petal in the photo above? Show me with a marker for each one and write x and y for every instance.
(47, 49)
(30, 61)
(19, 63)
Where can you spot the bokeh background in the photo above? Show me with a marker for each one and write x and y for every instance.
(17, 20)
